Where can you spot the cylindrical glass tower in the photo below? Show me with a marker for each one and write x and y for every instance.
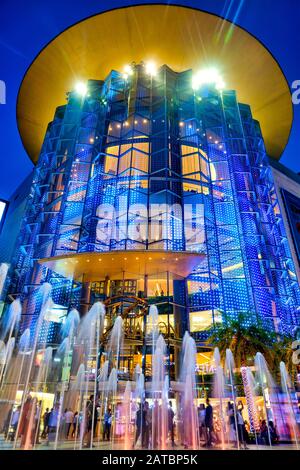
(176, 176)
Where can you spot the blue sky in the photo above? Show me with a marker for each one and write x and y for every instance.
(26, 27)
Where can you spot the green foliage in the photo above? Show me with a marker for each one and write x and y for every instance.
(243, 340)
(284, 352)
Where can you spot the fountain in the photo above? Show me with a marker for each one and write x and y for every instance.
(110, 400)
(229, 371)
(90, 332)
(11, 319)
(38, 385)
(153, 324)
(115, 342)
(139, 393)
(17, 371)
(70, 326)
(46, 302)
(127, 415)
(102, 387)
(62, 356)
(219, 391)
(188, 395)
(78, 386)
(287, 390)
(3, 273)
(267, 388)
(86, 368)
(159, 393)
(7, 358)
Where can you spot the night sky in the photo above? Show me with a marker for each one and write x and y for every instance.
(27, 26)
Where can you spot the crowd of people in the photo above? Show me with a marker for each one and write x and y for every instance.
(33, 425)
(235, 430)
(146, 433)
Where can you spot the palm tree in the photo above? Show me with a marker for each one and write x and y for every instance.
(284, 353)
(244, 341)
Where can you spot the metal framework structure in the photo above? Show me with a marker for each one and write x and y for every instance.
(145, 140)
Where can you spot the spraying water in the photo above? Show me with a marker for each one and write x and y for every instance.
(219, 391)
(266, 384)
(286, 388)
(79, 386)
(62, 356)
(127, 415)
(7, 358)
(153, 324)
(112, 386)
(115, 343)
(3, 273)
(70, 326)
(229, 369)
(188, 396)
(90, 332)
(83, 342)
(11, 319)
(39, 385)
(23, 348)
(160, 406)
(102, 389)
(46, 303)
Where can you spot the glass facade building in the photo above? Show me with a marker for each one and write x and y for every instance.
(145, 164)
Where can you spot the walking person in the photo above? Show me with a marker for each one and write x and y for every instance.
(5, 429)
(241, 428)
(201, 419)
(25, 419)
(14, 422)
(76, 427)
(273, 433)
(156, 437)
(37, 422)
(209, 423)
(53, 423)
(171, 415)
(231, 424)
(264, 433)
(107, 424)
(45, 423)
(90, 423)
(147, 426)
(69, 416)
(140, 423)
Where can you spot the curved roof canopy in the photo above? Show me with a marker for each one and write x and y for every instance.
(182, 38)
(136, 263)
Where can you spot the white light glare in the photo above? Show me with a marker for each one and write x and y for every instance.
(151, 68)
(81, 88)
(208, 76)
(127, 71)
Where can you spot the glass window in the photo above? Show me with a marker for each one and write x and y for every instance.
(200, 321)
